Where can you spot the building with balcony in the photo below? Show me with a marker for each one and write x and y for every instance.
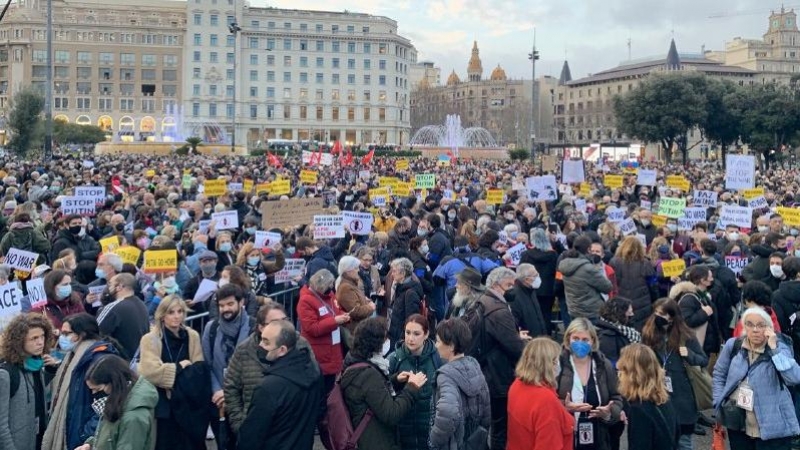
(295, 74)
(115, 64)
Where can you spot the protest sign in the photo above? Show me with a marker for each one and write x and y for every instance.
(266, 239)
(128, 254)
(108, 245)
(741, 216)
(404, 190)
(247, 186)
(580, 204)
(572, 171)
(205, 290)
(291, 212)
(671, 207)
(215, 188)
(364, 175)
(20, 259)
(186, 181)
(280, 187)
(627, 226)
(328, 226)
(740, 172)
(36, 293)
(388, 182)
(642, 238)
(758, 202)
(542, 188)
(83, 206)
(750, 194)
(97, 193)
(494, 196)
(659, 221)
(263, 188)
(226, 220)
(706, 199)
(615, 215)
(308, 176)
(10, 303)
(695, 213)
(381, 192)
(586, 190)
(646, 177)
(736, 263)
(401, 164)
(686, 224)
(791, 216)
(613, 181)
(646, 205)
(679, 182)
(235, 187)
(357, 223)
(425, 181)
(156, 261)
(294, 267)
(673, 268)
(516, 253)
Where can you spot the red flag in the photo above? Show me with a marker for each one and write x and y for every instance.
(453, 158)
(348, 157)
(317, 157)
(337, 148)
(368, 157)
(274, 160)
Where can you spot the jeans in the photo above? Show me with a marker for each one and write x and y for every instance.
(685, 442)
(499, 428)
(740, 441)
(562, 306)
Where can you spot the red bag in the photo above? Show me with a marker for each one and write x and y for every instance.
(336, 427)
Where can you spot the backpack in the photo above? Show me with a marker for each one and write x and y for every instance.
(475, 435)
(476, 319)
(336, 428)
(14, 374)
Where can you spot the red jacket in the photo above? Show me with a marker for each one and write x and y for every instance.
(537, 420)
(317, 324)
(58, 311)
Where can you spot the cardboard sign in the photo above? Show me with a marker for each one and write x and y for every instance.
(98, 193)
(736, 263)
(580, 204)
(357, 223)
(293, 268)
(158, 261)
(750, 194)
(425, 181)
(247, 186)
(572, 171)
(226, 220)
(109, 244)
(186, 181)
(388, 182)
(401, 164)
(791, 216)
(36, 293)
(706, 199)
(678, 182)
(542, 188)
(291, 212)
(308, 176)
(627, 226)
(280, 187)
(516, 253)
(266, 239)
(659, 221)
(328, 227)
(84, 206)
(646, 177)
(741, 216)
(21, 260)
(215, 188)
(758, 202)
(740, 172)
(673, 268)
(671, 207)
(404, 190)
(586, 190)
(128, 254)
(615, 215)
(494, 196)
(695, 213)
(613, 181)
(10, 303)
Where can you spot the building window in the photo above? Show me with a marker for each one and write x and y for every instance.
(303, 45)
(382, 114)
(196, 73)
(367, 95)
(287, 61)
(270, 60)
(253, 75)
(335, 63)
(253, 60)
(334, 28)
(228, 74)
(127, 59)
(253, 42)
(287, 93)
(254, 24)
(303, 112)
(270, 92)
(351, 64)
(351, 78)
(367, 64)
(195, 109)
(318, 27)
(270, 76)
(320, 78)
(214, 20)
(320, 46)
(270, 44)
(303, 77)
(229, 90)
(335, 46)
(213, 57)
(335, 78)
(383, 49)
(335, 113)
(367, 47)
(303, 61)
(62, 56)
(287, 77)
(351, 47)
(318, 95)
(319, 112)
(287, 44)
(287, 111)
(382, 80)
(198, 39)
(230, 40)
(214, 40)
(229, 110)
(351, 28)
(212, 110)
(351, 96)
(198, 19)
(253, 91)
(270, 111)
(367, 80)
(196, 56)
(196, 90)
(366, 114)
(253, 111)
(335, 95)
(382, 64)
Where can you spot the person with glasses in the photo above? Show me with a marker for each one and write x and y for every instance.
(750, 383)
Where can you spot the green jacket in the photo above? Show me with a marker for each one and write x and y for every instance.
(136, 429)
(26, 238)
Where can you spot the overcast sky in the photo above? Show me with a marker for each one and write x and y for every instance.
(593, 34)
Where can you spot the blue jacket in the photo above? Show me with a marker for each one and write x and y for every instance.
(218, 361)
(772, 402)
(453, 266)
(81, 418)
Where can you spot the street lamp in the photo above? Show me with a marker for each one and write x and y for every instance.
(533, 56)
(234, 29)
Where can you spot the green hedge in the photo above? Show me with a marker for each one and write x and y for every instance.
(519, 154)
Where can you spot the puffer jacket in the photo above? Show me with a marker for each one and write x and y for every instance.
(317, 316)
(407, 301)
(691, 302)
(583, 284)
(461, 401)
(772, 402)
(321, 259)
(23, 236)
(86, 248)
(785, 302)
(634, 280)
(415, 426)
(245, 373)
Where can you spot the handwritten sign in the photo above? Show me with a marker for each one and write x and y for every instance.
(515, 253)
(695, 213)
(215, 188)
(157, 261)
(750, 194)
(291, 212)
(791, 216)
(401, 164)
(736, 263)
(542, 188)
(388, 182)
(293, 268)
(425, 181)
(83, 206)
(404, 189)
(128, 254)
(308, 176)
(109, 244)
(673, 268)
(263, 188)
(10, 303)
(659, 221)
(627, 226)
(613, 181)
(21, 260)
(328, 227)
(494, 196)
(646, 177)
(671, 207)
(615, 215)
(678, 182)
(36, 293)
(247, 186)
(226, 220)
(98, 193)
(740, 172)
(572, 171)
(707, 199)
(758, 202)
(357, 223)
(741, 216)
(586, 190)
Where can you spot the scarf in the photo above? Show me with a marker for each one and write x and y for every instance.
(381, 362)
(54, 436)
(230, 334)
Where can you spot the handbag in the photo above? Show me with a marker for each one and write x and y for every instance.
(731, 416)
(701, 385)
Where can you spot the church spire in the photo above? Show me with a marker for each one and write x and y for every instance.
(475, 68)
(566, 74)
(673, 59)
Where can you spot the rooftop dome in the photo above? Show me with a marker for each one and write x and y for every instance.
(498, 74)
(453, 79)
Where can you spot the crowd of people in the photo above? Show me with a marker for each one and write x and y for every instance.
(468, 314)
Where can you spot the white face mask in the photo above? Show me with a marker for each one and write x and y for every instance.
(733, 236)
(537, 283)
(763, 228)
(223, 282)
(386, 347)
(557, 368)
(777, 271)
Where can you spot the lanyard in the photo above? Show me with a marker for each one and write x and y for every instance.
(666, 358)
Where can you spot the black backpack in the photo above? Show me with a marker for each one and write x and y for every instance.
(14, 374)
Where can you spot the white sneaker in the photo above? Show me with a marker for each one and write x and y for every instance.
(209, 434)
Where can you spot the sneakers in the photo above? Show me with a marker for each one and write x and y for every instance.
(209, 434)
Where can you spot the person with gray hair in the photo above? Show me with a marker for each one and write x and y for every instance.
(406, 299)
(545, 259)
(108, 266)
(125, 318)
(497, 345)
(524, 305)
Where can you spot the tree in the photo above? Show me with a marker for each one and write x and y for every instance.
(663, 109)
(723, 123)
(194, 142)
(24, 120)
(769, 118)
(71, 133)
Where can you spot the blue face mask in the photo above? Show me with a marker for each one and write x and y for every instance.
(251, 231)
(34, 363)
(580, 349)
(253, 260)
(100, 273)
(226, 247)
(65, 343)
(63, 292)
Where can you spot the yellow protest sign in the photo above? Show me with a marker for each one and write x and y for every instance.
(401, 164)
(631, 170)
(150, 173)
(109, 244)
(673, 268)
(659, 221)
(678, 182)
(280, 187)
(494, 196)
(685, 185)
(403, 189)
(263, 187)
(378, 192)
(215, 188)
(750, 194)
(247, 186)
(613, 181)
(791, 216)
(128, 254)
(156, 261)
(586, 190)
(308, 176)
(388, 182)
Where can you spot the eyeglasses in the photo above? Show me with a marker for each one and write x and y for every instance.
(755, 326)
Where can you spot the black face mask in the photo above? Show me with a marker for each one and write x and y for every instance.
(98, 395)
(595, 259)
(75, 230)
(662, 322)
(191, 214)
(119, 227)
(261, 354)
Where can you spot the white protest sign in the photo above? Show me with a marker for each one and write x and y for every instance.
(740, 172)
(686, 224)
(83, 206)
(646, 177)
(294, 267)
(758, 202)
(646, 205)
(503, 238)
(572, 171)
(736, 263)
(98, 193)
(226, 220)
(695, 213)
(21, 260)
(580, 204)
(328, 226)
(741, 216)
(266, 239)
(707, 199)
(235, 187)
(627, 226)
(36, 293)
(202, 226)
(325, 160)
(643, 239)
(378, 201)
(204, 291)
(98, 291)
(516, 253)
(10, 304)
(88, 164)
(363, 175)
(356, 222)
(542, 188)
(615, 215)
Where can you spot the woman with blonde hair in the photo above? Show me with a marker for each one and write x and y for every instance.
(661, 252)
(636, 278)
(172, 360)
(652, 423)
(536, 418)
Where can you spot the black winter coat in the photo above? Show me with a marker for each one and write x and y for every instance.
(526, 310)
(546, 264)
(785, 302)
(635, 280)
(86, 248)
(652, 427)
(407, 301)
(682, 395)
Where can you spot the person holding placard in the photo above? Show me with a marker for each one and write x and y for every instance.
(23, 236)
(255, 263)
(62, 301)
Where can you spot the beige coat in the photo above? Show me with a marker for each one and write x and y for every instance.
(156, 371)
(351, 298)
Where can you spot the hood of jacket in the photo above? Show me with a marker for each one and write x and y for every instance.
(790, 291)
(296, 367)
(709, 261)
(762, 250)
(466, 372)
(569, 266)
(408, 284)
(142, 395)
(99, 347)
(684, 287)
(324, 253)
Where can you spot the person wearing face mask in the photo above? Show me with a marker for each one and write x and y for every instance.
(166, 286)
(776, 270)
(440, 245)
(406, 296)
(250, 226)
(350, 295)
(285, 407)
(226, 255)
(732, 236)
(23, 418)
(675, 346)
(208, 271)
(255, 263)
(537, 418)
(72, 420)
(125, 318)
(73, 236)
(645, 225)
(613, 328)
(588, 385)
(524, 304)
(61, 300)
(584, 281)
(698, 308)
(759, 268)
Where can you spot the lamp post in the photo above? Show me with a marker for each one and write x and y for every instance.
(533, 56)
(48, 101)
(234, 29)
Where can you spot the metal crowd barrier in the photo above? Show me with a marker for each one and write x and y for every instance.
(286, 297)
